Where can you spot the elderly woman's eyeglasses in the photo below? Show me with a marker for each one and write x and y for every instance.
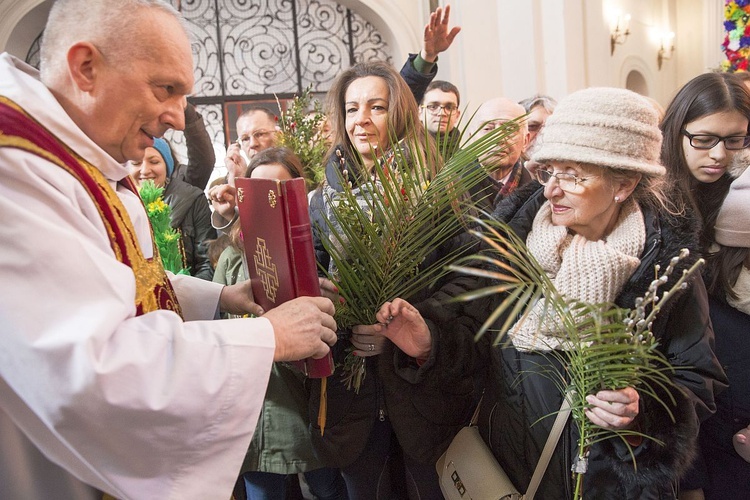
(708, 141)
(566, 181)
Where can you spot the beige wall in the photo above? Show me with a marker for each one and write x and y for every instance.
(517, 47)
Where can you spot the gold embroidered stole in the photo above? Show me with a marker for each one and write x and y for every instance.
(153, 289)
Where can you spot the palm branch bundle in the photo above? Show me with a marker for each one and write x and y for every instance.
(381, 232)
(301, 125)
(605, 347)
(167, 239)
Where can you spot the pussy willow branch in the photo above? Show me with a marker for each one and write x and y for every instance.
(636, 317)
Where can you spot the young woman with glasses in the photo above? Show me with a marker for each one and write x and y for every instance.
(704, 126)
(705, 129)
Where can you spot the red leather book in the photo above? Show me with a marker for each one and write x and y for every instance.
(279, 249)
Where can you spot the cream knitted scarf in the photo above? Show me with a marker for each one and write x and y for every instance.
(589, 271)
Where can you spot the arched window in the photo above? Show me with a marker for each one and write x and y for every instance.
(636, 82)
(253, 51)
(32, 57)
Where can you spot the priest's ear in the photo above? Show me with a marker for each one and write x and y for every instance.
(84, 63)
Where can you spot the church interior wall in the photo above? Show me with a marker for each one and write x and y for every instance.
(516, 48)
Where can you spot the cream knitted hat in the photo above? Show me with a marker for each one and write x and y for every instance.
(604, 126)
(733, 222)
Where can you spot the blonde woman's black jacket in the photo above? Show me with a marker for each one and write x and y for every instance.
(513, 403)
(424, 418)
(191, 215)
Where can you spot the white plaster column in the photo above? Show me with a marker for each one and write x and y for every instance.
(566, 55)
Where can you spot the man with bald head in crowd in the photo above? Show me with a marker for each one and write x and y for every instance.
(503, 163)
(111, 377)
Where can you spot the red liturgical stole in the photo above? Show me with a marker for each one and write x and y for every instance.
(153, 289)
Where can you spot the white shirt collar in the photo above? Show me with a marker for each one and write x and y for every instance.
(20, 83)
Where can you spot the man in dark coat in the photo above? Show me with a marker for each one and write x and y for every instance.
(505, 171)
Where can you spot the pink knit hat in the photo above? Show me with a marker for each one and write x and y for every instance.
(733, 222)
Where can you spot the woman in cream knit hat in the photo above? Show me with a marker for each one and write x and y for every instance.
(598, 226)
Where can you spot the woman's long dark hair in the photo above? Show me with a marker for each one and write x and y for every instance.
(283, 156)
(722, 270)
(704, 95)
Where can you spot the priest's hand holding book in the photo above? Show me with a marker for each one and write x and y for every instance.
(304, 327)
(238, 299)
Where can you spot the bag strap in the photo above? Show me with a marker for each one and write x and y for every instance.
(475, 417)
(549, 447)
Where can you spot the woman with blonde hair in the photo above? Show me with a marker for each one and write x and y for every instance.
(373, 115)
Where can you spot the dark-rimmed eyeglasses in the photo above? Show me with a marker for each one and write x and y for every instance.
(435, 107)
(566, 181)
(708, 141)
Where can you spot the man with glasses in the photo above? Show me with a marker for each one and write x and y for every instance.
(441, 113)
(256, 130)
(504, 166)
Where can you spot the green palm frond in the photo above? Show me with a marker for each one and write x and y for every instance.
(509, 268)
(604, 347)
(381, 231)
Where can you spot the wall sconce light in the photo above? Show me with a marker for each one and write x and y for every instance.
(666, 48)
(620, 33)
